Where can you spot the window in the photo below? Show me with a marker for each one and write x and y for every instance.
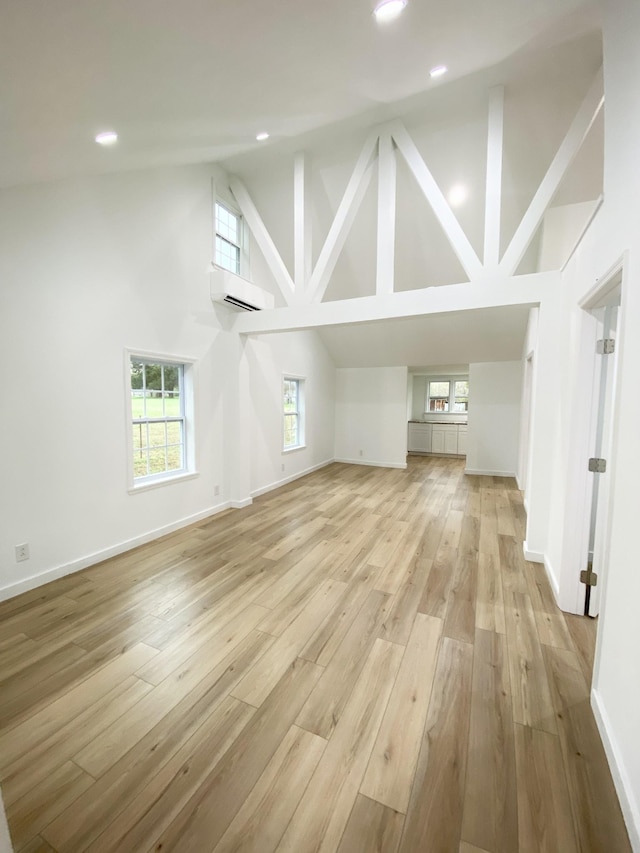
(293, 411)
(158, 419)
(461, 395)
(438, 396)
(228, 238)
(447, 396)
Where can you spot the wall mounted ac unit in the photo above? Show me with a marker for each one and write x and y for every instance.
(237, 292)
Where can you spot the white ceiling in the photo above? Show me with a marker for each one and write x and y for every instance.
(195, 81)
(460, 337)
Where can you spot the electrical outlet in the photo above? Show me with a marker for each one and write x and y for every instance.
(361, 453)
(283, 466)
(22, 552)
(216, 490)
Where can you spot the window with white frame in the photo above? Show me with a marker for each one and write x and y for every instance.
(293, 410)
(158, 419)
(229, 238)
(447, 396)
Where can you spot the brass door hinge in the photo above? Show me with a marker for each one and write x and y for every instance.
(589, 577)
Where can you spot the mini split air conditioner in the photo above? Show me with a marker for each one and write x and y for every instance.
(236, 291)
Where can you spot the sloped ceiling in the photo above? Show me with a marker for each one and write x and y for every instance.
(460, 337)
(194, 82)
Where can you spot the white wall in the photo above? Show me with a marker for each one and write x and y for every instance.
(495, 390)
(303, 355)
(371, 416)
(89, 268)
(559, 437)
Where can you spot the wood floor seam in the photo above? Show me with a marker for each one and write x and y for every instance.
(359, 662)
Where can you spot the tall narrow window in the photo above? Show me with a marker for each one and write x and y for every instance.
(461, 395)
(228, 238)
(292, 409)
(158, 419)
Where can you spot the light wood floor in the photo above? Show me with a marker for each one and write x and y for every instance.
(360, 661)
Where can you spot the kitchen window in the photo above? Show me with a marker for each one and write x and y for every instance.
(447, 396)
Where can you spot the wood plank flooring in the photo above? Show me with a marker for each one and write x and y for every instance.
(360, 661)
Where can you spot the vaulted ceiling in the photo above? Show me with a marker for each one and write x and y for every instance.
(194, 81)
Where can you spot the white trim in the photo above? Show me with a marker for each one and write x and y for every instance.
(585, 228)
(189, 367)
(532, 556)
(302, 218)
(241, 504)
(495, 291)
(440, 206)
(345, 215)
(552, 577)
(493, 199)
(569, 148)
(481, 472)
(262, 238)
(5, 838)
(145, 485)
(276, 484)
(385, 266)
(401, 465)
(624, 789)
(98, 556)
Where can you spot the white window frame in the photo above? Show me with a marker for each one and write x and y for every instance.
(188, 470)
(243, 236)
(452, 395)
(301, 388)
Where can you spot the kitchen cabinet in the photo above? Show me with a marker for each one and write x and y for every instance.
(440, 438)
(419, 438)
(462, 440)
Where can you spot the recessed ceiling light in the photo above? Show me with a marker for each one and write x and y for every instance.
(457, 195)
(389, 9)
(262, 136)
(107, 138)
(438, 71)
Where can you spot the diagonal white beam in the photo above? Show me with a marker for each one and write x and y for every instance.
(343, 220)
(385, 268)
(302, 244)
(494, 177)
(570, 146)
(262, 238)
(456, 236)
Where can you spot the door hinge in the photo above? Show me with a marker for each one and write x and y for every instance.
(588, 576)
(598, 466)
(606, 346)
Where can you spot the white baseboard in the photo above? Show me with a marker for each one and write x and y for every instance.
(552, 576)
(628, 804)
(482, 473)
(277, 483)
(241, 504)
(532, 556)
(401, 465)
(5, 838)
(98, 556)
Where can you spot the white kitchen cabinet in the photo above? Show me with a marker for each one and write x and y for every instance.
(445, 439)
(437, 439)
(462, 440)
(419, 438)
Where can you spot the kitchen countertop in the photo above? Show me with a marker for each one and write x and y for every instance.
(452, 423)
